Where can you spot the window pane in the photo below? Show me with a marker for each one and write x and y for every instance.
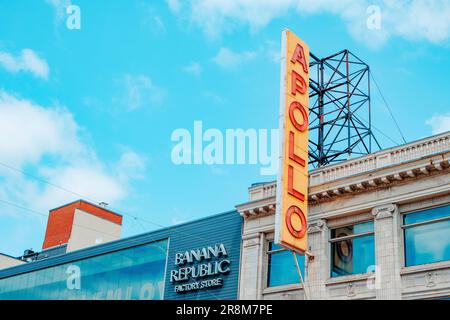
(133, 273)
(427, 243)
(273, 246)
(426, 215)
(282, 268)
(352, 230)
(352, 256)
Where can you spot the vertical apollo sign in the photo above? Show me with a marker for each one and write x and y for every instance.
(292, 183)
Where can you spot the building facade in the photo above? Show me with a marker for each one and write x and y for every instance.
(81, 224)
(195, 260)
(7, 261)
(379, 228)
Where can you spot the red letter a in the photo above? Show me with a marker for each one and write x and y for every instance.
(299, 56)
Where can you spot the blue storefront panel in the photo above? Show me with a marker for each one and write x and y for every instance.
(140, 267)
(134, 273)
(210, 233)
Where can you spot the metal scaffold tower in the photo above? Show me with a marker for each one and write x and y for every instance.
(339, 115)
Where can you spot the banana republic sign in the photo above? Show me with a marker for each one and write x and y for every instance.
(200, 269)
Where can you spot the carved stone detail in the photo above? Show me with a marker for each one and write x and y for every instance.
(431, 279)
(351, 290)
(384, 211)
(316, 226)
(250, 240)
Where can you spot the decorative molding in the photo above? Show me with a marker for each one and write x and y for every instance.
(250, 240)
(316, 226)
(366, 182)
(431, 278)
(257, 208)
(437, 266)
(351, 290)
(384, 211)
(398, 173)
(249, 244)
(411, 196)
(384, 158)
(376, 171)
(425, 204)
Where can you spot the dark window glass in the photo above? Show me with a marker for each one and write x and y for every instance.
(427, 241)
(352, 230)
(282, 268)
(136, 273)
(355, 253)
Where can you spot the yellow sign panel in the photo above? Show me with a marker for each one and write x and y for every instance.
(292, 184)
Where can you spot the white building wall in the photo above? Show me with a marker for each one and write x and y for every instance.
(89, 230)
(380, 187)
(7, 261)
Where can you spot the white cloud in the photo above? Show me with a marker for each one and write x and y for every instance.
(420, 19)
(30, 131)
(131, 165)
(174, 5)
(193, 68)
(87, 180)
(216, 16)
(137, 91)
(415, 20)
(439, 123)
(228, 59)
(49, 143)
(27, 61)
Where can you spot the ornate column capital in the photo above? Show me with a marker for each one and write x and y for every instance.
(384, 211)
(250, 240)
(316, 226)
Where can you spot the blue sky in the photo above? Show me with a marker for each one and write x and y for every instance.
(93, 110)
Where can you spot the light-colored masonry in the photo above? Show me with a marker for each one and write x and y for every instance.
(381, 187)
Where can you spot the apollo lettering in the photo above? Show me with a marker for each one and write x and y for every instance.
(292, 191)
(298, 85)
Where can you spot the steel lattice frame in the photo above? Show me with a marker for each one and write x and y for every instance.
(339, 114)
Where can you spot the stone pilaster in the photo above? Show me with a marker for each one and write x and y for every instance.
(251, 268)
(318, 264)
(387, 255)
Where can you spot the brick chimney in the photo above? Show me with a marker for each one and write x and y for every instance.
(81, 224)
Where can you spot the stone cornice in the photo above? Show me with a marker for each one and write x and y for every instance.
(385, 177)
(380, 170)
(393, 156)
(395, 199)
(257, 208)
